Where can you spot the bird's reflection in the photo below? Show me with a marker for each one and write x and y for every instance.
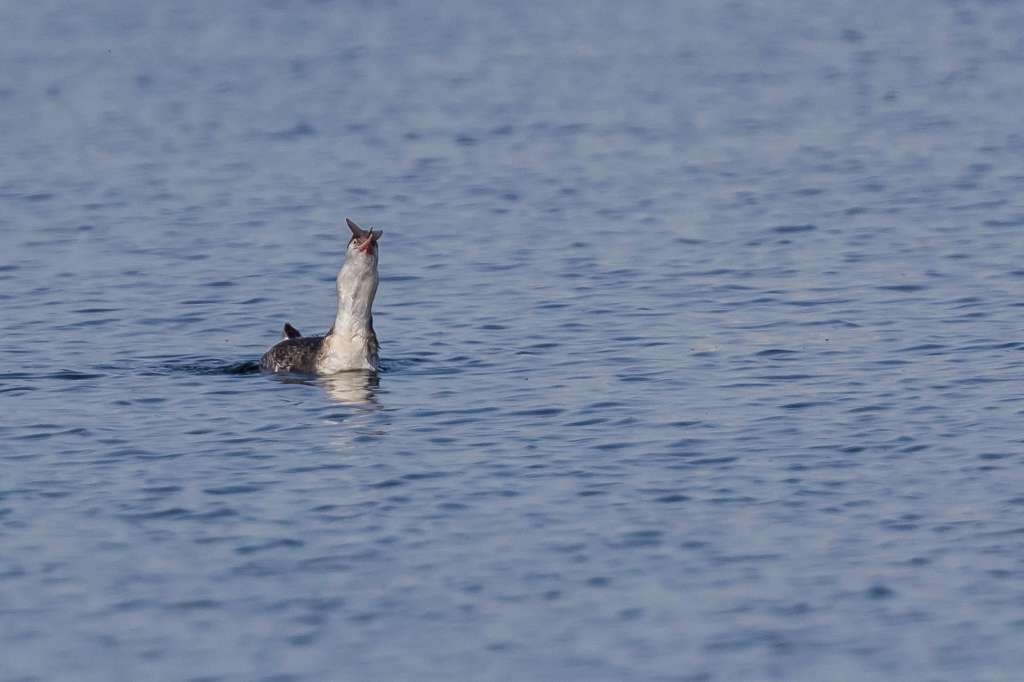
(356, 388)
(352, 388)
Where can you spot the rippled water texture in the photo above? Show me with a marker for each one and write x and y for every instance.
(701, 324)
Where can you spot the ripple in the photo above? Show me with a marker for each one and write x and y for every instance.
(792, 229)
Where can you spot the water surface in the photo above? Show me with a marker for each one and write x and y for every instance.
(701, 324)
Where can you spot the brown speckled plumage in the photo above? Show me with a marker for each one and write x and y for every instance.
(293, 355)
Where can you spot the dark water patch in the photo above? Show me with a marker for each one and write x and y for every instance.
(71, 375)
(538, 412)
(746, 558)
(272, 545)
(592, 421)
(194, 605)
(1005, 345)
(387, 483)
(793, 229)
(923, 347)
(42, 435)
(162, 489)
(183, 319)
(169, 513)
(603, 405)
(775, 353)
(815, 302)
(468, 411)
(318, 467)
(877, 407)
(880, 592)
(639, 539)
(36, 197)
(710, 461)
(298, 131)
(687, 443)
(11, 390)
(206, 367)
(846, 324)
(8, 376)
(902, 287)
(425, 475)
(803, 405)
(1017, 221)
(612, 447)
(990, 456)
(100, 322)
(96, 311)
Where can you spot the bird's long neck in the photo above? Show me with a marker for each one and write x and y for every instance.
(357, 286)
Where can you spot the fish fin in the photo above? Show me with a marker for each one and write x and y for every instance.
(357, 232)
(290, 332)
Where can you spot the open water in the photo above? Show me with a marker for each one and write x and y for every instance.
(702, 325)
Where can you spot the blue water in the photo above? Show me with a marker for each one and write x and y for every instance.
(701, 324)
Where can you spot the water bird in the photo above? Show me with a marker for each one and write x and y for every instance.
(350, 343)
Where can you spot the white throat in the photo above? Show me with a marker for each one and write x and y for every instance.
(357, 286)
(352, 343)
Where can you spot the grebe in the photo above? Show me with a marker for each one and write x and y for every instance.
(351, 343)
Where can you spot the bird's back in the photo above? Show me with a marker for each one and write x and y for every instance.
(298, 354)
